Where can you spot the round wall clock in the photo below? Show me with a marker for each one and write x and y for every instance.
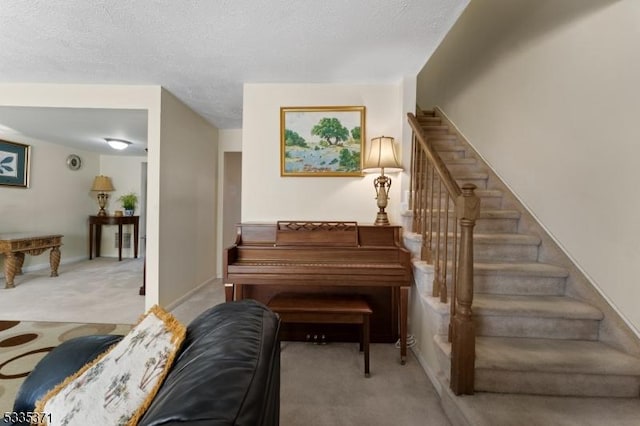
(74, 162)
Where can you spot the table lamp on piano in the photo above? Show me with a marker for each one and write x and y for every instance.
(381, 156)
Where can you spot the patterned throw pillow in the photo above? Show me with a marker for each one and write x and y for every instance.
(117, 387)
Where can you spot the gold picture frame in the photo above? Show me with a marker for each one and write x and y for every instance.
(322, 140)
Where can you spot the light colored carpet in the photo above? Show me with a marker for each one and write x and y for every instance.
(320, 384)
(325, 385)
(102, 290)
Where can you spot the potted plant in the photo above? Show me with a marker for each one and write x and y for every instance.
(129, 202)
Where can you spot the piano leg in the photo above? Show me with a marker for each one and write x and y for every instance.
(404, 302)
(228, 292)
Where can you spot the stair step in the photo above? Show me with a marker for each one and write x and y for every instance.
(447, 155)
(505, 247)
(535, 306)
(443, 138)
(444, 146)
(412, 241)
(495, 409)
(431, 129)
(429, 120)
(491, 247)
(448, 147)
(553, 317)
(467, 169)
(491, 220)
(487, 213)
(479, 179)
(470, 176)
(519, 278)
(426, 113)
(489, 201)
(551, 367)
(498, 220)
(479, 183)
(461, 161)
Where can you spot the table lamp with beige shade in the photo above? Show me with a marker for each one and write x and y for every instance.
(382, 156)
(102, 185)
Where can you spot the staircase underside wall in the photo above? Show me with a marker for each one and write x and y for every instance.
(426, 322)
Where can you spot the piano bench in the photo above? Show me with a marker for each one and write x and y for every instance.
(325, 309)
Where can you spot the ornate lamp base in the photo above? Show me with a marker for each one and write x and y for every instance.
(381, 219)
(102, 202)
(382, 184)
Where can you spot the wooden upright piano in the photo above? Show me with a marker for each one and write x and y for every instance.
(324, 257)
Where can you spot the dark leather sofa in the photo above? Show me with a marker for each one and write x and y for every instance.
(227, 371)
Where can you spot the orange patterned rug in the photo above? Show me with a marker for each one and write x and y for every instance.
(23, 344)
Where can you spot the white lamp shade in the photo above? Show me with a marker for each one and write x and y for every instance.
(382, 155)
(118, 144)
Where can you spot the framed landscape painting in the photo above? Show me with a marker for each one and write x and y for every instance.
(321, 141)
(14, 164)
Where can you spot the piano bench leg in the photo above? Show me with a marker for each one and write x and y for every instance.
(322, 310)
(366, 339)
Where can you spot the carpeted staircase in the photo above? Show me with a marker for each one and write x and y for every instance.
(541, 327)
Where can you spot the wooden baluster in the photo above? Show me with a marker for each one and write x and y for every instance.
(413, 176)
(423, 200)
(422, 166)
(415, 186)
(429, 217)
(463, 331)
(443, 283)
(454, 279)
(437, 279)
(426, 213)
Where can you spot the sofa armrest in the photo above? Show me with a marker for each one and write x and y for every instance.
(63, 361)
(227, 371)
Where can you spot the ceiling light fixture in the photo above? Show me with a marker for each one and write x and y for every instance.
(119, 144)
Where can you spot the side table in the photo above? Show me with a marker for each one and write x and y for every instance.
(15, 246)
(96, 222)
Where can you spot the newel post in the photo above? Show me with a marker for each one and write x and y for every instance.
(463, 336)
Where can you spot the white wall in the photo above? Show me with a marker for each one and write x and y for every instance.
(268, 197)
(229, 142)
(188, 155)
(58, 200)
(547, 92)
(181, 200)
(125, 173)
(232, 196)
(106, 96)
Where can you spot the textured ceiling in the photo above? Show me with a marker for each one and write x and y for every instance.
(203, 51)
(77, 128)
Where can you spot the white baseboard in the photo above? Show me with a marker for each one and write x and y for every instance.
(171, 306)
(432, 375)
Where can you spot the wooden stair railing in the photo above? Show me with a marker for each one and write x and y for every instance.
(447, 244)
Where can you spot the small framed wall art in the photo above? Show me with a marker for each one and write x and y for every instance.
(322, 140)
(14, 164)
